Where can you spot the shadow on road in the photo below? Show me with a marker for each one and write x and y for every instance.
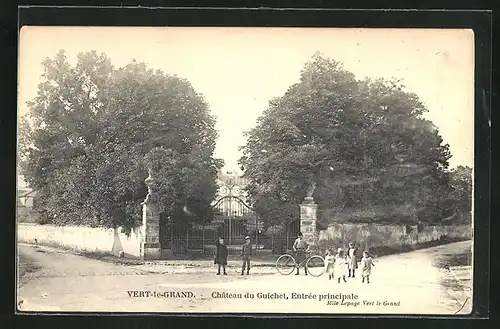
(26, 265)
(448, 259)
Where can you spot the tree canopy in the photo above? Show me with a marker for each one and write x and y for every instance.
(362, 148)
(94, 130)
(460, 199)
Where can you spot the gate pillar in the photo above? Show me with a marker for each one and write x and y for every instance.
(150, 240)
(308, 217)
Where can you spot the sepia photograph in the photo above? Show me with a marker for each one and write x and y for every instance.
(245, 170)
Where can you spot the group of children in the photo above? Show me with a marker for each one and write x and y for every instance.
(341, 263)
(221, 255)
(337, 265)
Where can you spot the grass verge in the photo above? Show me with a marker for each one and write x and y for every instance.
(110, 258)
(386, 251)
(97, 255)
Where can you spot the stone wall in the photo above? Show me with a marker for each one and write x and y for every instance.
(82, 238)
(366, 236)
(431, 233)
(369, 236)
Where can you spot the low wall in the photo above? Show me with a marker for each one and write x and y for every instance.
(82, 238)
(366, 236)
(431, 233)
(370, 236)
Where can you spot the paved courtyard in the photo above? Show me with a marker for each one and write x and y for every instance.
(406, 283)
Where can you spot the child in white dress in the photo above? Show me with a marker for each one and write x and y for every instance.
(366, 266)
(340, 265)
(329, 264)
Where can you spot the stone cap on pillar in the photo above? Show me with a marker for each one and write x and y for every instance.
(149, 183)
(308, 200)
(304, 222)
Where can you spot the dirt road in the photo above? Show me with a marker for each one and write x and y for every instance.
(413, 283)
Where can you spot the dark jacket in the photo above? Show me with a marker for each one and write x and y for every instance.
(353, 262)
(221, 254)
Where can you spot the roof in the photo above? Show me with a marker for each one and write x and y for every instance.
(232, 178)
(25, 192)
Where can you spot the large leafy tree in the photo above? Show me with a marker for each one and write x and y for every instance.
(94, 130)
(361, 148)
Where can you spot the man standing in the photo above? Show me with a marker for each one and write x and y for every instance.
(300, 247)
(246, 253)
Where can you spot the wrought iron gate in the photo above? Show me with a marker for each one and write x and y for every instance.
(233, 220)
(237, 220)
(280, 238)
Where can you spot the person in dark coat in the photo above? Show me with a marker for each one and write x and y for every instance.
(352, 259)
(221, 255)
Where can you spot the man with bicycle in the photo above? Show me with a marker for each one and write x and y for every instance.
(300, 248)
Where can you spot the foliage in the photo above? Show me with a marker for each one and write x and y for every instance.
(461, 182)
(459, 203)
(352, 144)
(94, 130)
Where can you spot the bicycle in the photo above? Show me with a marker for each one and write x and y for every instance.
(314, 264)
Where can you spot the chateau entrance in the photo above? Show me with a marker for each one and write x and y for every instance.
(237, 220)
(233, 220)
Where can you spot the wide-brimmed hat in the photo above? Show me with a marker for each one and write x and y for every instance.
(340, 249)
(247, 238)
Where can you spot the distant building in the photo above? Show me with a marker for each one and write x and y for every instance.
(25, 197)
(235, 215)
(231, 184)
(25, 203)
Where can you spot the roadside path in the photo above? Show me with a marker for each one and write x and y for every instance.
(414, 282)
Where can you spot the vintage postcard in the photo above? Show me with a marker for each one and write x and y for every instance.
(245, 170)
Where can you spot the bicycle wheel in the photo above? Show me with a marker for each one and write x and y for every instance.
(285, 264)
(315, 265)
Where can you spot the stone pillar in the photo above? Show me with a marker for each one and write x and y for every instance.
(150, 242)
(308, 217)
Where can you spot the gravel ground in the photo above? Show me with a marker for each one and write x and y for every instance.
(405, 283)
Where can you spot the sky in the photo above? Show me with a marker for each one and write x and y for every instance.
(238, 70)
